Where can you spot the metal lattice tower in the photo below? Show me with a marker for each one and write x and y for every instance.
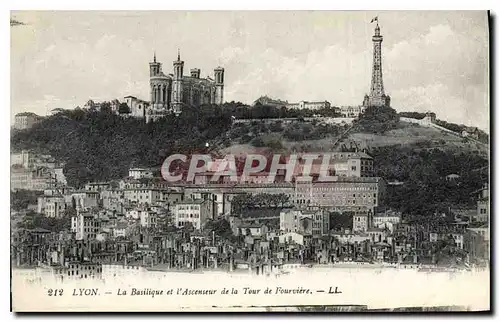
(377, 95)
(377, 89)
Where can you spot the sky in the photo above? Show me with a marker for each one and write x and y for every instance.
(432, 60)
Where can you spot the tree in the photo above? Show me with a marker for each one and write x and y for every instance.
(257, 142)
(73, 203)
(377, 119)
(240, 202)
(21, 199)
(188, 227)
(106, 107)
(124, 108)
(40, 221)
(221, 227)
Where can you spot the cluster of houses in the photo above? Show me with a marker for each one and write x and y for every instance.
(35, 171)
(143, 223)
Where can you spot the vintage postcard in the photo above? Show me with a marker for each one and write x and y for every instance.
(250, 161)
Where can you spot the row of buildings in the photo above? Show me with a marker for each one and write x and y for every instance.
(34, 171)
(144, 222)
(343, 111)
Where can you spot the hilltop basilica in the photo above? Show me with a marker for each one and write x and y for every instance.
(169, 93)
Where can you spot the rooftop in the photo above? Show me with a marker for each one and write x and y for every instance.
(27, 114)
(192, 202)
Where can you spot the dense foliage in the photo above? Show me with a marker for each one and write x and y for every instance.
(261, 200)
(221, 227)
(482, 136)
(426, 189)
(377, 119)
(259, 111)
(457, 128)
(99, 145)
(270, 134)
(339, 221)
(413, 115)
(32, 221)
(20, 199)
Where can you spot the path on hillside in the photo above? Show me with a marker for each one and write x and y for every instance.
(342, 136)
(481, 146)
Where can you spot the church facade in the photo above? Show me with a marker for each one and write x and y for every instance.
(169, 93)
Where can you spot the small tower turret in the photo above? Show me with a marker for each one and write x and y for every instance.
(177, 89)
(219, 85)
(195, 72)
(178, 66)
(154, 67)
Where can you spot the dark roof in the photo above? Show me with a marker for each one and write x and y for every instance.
(191, 202)
(261, 212)
(40, 230)
(26, 114)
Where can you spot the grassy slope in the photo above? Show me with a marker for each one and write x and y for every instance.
(415, 135)
(406, 135)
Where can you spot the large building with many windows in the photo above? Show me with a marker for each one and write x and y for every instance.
(195, 212)
(85, 226)
(343, 194)
(25, 120)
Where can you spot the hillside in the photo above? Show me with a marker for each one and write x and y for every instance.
(99, 145)
(376, 128)
(418, 137)
(419, 156)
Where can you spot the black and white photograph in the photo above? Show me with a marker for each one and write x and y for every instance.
(250, 161)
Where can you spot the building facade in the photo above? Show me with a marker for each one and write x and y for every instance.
(169, 93)
(141, 173)
(25, 120)
(52, 206)
(483, 205)
(38, 179)
(196, 212)
(309, 105)
(23, 158)
(351, 111)
(309, 221)
(360, 222)
(344, 194)
(85, 226)
(268, 101)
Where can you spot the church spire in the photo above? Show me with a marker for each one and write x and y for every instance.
(154, 57)
(178, 54)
